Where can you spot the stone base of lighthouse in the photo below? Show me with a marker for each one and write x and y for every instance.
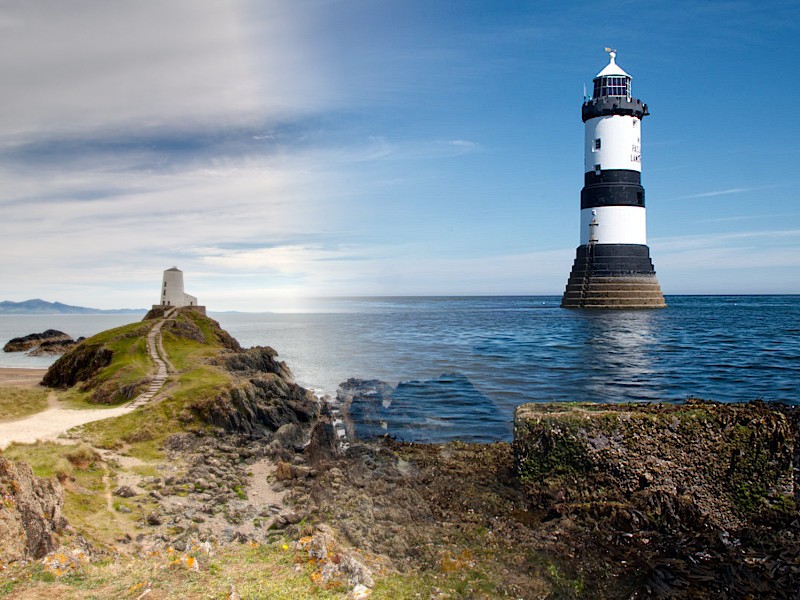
(616, 276)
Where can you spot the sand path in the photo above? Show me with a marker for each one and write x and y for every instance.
(49, 424)
(55, 421)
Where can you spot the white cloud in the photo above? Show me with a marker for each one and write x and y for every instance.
(69, 66)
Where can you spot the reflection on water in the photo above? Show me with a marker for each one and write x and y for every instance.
(617, 353)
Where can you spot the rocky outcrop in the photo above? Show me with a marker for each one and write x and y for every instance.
(80, 364)
(257, 360)
(30, 513)
(259, 406)
(191, 324)
(36, 340)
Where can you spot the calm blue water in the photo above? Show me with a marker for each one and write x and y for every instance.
(489, 354)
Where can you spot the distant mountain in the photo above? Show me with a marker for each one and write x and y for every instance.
(42, 307)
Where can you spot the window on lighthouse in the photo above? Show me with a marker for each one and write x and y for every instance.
(612, 86)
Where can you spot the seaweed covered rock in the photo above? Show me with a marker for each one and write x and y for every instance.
(730, 461)
(30, 513)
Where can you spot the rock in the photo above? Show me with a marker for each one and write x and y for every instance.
(79, 364)
(359, 592)
(684, 465)
(291, 436)
(34, 340)
(284, 471)
(55, 347)
(335, 564)
(323, 448)
(154, 519)
(257, 360)
(125, 491)
(30, 513)
(264, 403)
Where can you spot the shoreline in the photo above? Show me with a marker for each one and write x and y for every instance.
(52, 422)
(21, 376)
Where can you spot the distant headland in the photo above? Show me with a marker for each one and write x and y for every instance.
(42, 307)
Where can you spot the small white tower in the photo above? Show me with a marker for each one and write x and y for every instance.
(172, 293)
(612, 267)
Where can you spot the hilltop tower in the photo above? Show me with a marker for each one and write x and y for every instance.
(172, 293)
(612, 267)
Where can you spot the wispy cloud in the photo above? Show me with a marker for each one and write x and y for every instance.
(694, 242)
(719, 193)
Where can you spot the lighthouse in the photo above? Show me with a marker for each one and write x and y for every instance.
(173, 294)
(612, 267)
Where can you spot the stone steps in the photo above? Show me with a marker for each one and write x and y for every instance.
(611, 292)
(160, 378)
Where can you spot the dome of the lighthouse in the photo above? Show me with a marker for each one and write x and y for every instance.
(612, 69)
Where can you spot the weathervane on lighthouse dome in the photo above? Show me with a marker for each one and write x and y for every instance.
(612, 267)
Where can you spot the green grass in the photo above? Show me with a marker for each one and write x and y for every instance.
(274, 570)
(85, 504)
(145, 429)
(17, 402)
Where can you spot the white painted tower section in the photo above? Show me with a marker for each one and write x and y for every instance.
(172, 293)
(613, 142)
(614, 225)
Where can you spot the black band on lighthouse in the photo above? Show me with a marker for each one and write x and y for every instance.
(613, 105)
(612, 176)
(612, 188)
(617, 260)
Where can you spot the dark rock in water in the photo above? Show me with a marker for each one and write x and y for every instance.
(30, 513)
(34, 340)
(55, 347)
(435, 410)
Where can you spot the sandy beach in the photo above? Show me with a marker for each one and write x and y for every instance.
(21, 377)
(50, 423)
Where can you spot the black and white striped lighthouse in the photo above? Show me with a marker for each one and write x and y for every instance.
(612, 267)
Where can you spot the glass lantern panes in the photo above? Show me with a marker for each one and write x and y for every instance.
(612, 86)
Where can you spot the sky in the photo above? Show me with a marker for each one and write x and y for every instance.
(278, 149)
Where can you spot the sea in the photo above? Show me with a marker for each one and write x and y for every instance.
(434, 369)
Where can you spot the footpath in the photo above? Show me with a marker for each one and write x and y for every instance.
(55, 421)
